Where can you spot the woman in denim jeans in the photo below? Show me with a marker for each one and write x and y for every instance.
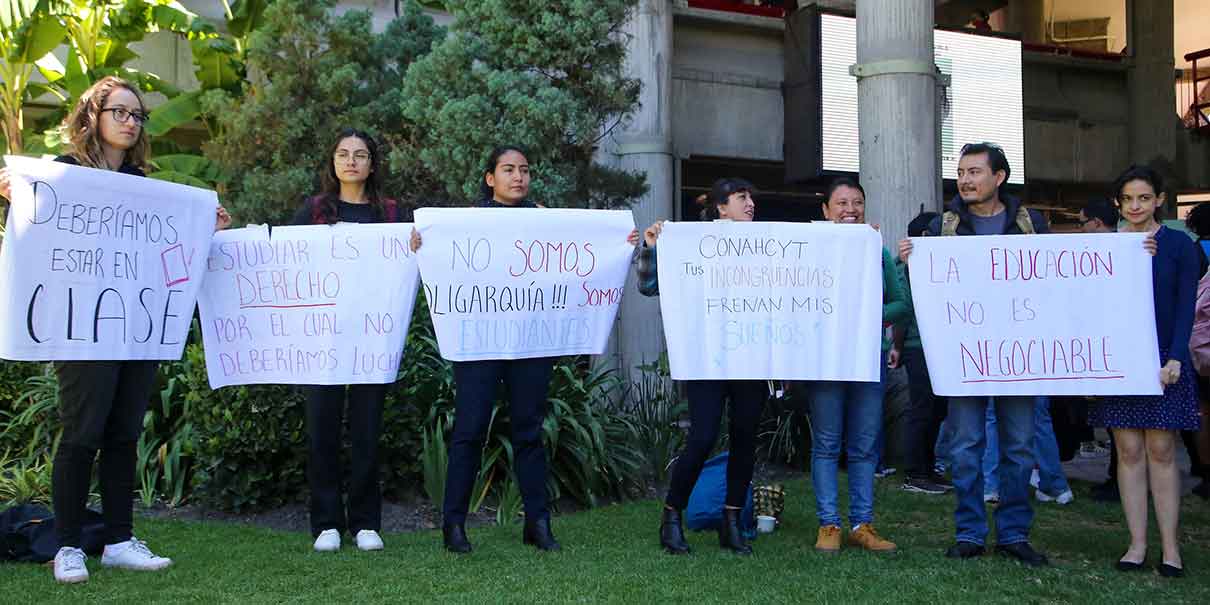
(850, 412)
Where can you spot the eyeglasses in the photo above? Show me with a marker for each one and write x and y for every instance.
(359, 157)
(123, 115)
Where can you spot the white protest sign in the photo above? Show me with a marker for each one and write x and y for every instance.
(1036, 314)
(315, 304)
(750, 301)
(98, 265)
(514, 283)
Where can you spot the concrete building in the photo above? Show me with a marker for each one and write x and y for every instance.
(1101, 89)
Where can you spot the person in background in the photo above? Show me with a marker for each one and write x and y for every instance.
(102, 403)
(851, 412)
(729, 199)
(351, 178)
(1145, 427)
(927, 410)
(1198, 221)
(980, 21)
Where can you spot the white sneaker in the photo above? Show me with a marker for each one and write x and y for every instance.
(1064, 498)
(1034, 478)
(1092, 449)
(133, 554)
(69, 565)
(368, 539)
(328, 541)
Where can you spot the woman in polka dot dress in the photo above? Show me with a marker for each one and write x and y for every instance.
(1145, 427)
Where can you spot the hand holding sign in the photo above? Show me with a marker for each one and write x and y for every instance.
(99, 265)
(501, 286)
(1008, 315)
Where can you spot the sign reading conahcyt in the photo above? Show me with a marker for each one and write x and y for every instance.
(787, 301)
(1036, 314)
(315, 304)
(98, 265)
(514, 283)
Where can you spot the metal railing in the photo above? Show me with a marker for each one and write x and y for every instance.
(1193, 91)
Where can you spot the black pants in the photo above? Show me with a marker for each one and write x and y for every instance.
(927, 413)
(102, 404)
(476, 384)
(706, 400)
(1069, 415)
(325, 421)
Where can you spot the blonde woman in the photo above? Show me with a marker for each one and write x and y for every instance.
(102, 403)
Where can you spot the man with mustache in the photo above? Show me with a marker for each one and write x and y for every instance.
(981, 209)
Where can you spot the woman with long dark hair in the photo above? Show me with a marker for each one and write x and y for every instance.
(729, 199)
(1145, 427)
(102, 403)
(351, 192)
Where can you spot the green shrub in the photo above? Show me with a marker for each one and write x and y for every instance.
(251, 442)
(19, 435)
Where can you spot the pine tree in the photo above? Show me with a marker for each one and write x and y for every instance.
(547, 76)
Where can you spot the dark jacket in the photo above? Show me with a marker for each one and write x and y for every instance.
(491, 203)
(649, 279)
(1175, 271)
(125, 169)
(1011, 206)
(311, 212)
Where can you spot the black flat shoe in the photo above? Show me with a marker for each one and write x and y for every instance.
(1024, 553)
(1170, 571)
(537, 533)
(672, 534)
(964, 550)
(1130, 565)
(729, 535)
(455, 539)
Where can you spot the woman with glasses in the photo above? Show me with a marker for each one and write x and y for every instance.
(102, 403)
(1145, 427)
(351, 181)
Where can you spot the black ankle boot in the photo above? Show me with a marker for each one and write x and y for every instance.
(672, 534)
(729, 535)
(537, 533)
(455, 538)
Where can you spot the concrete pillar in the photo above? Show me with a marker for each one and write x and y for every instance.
(1028, 17)
(897, 113)
(1153, 121)
(645, 145)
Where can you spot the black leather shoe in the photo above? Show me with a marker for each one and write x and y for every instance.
(455, 539)
(1170, 571)
(964, 550)
(537, 533)
(729, 535)
(672, 534)
(1130, 565)
(1024, 553)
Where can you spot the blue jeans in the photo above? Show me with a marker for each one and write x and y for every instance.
(852, 412)
(1051, 479)
(1015, 430)
(991, 453)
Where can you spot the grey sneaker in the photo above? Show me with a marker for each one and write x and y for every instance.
(922, 486)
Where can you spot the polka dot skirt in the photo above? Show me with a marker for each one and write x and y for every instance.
(1176, 409)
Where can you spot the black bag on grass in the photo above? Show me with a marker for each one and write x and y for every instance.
(27, 534)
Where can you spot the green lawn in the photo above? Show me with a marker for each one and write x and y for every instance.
(611, 555)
